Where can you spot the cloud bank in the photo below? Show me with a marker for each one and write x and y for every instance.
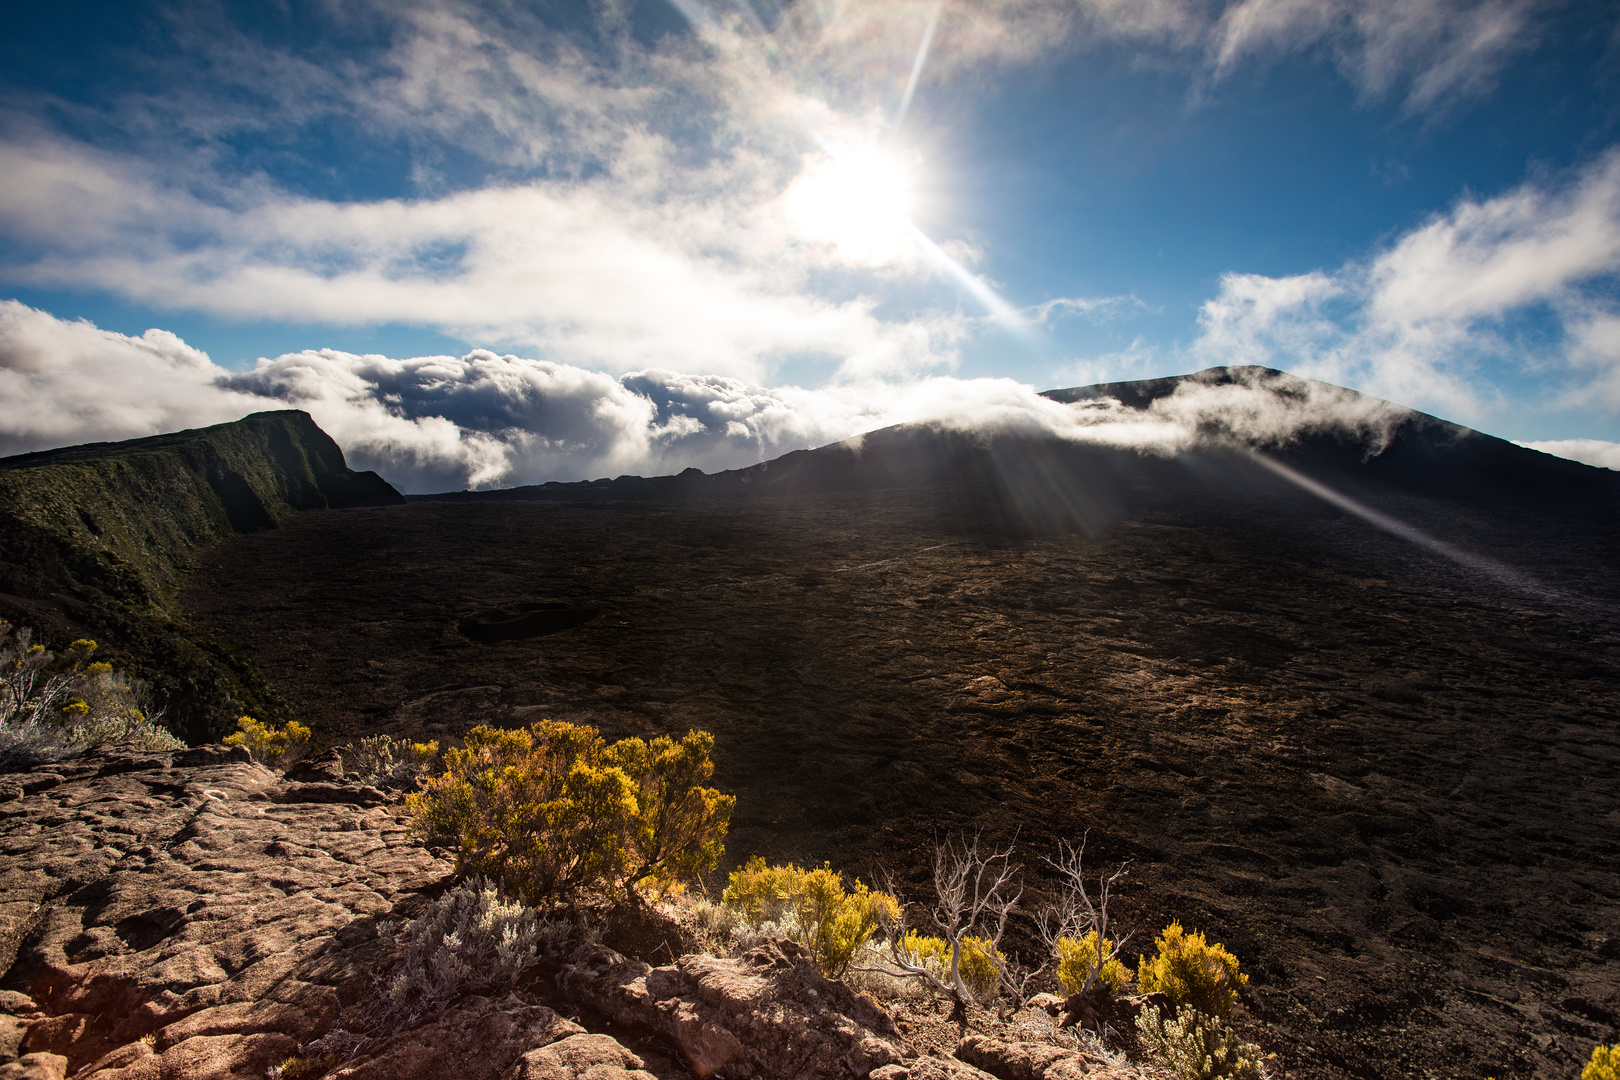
(482, 420)
(1603, 454)
(1411, 323)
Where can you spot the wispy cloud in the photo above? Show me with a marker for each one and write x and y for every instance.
(1096, 309)
(1432, 52)
(608, 204)
(1415, 321)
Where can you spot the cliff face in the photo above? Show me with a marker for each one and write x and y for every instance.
(95, 541)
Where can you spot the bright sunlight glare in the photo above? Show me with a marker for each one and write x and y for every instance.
(858, 202)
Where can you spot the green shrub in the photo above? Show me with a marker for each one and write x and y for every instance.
(1197, 1046)
(1091, 957)
(813, 907)
(269, 745)
(1190, 971)
(553, 810)
(980, 973)
(759, 893)
(1605, 1064)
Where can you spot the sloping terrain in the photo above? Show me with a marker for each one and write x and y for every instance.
(96, 539)
(1381, 765)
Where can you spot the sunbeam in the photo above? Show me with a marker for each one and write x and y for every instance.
(917, 65)
(692, 11)
(1507, 575)
(1001, 311)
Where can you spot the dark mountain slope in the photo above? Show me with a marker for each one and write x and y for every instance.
(1013, 483)
(1423, 454)
(95, 540)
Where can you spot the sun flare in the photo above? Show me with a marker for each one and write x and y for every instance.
(859, 202)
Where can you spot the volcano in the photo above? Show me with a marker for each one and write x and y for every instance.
(1339, 679)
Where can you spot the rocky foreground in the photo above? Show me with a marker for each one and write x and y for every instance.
(195, 915)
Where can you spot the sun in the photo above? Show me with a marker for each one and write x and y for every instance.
(859, 202)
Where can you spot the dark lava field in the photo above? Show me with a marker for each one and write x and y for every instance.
(1386, 780)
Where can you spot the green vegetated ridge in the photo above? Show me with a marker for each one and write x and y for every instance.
(96, 541)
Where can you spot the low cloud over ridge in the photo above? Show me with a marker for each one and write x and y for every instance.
(482, 420)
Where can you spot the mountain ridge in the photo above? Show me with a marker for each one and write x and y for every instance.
(96, 539)
(1395, 448)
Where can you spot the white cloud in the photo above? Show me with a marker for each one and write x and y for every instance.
(636, 206)
(1440, 50)
(481, 420)
(1417, 321)
(594, 275)
(1605, 455)
(69, 382)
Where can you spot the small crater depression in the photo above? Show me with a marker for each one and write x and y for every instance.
(511, 622)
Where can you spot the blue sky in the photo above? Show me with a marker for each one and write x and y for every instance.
(503, 242)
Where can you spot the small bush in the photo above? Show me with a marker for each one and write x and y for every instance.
(714, 925)
(811, 907)
(553, 810)
(53, 706)
(871, 971)
(1090, 958)
(980, 973)
(302, 1067)
(678, 826)
(386, 762)
(275, 747)
(759, 893)
(1190, 971)
(472, 939)
(836, 922)
(1196, 1046)
(340, 1042)
(1605, 1064)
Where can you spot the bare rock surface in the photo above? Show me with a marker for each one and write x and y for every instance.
(930, 1067)
(1032, 1060)
(767, 1013)
(195, 915)
(189, 915)
(581, 1057)
(479, 1039)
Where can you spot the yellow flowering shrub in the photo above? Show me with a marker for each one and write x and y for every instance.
(1605, 1064)
(679, 825)
(270, 745)
(553, 810)
(1190, 971)
(979, 972)
(760, 893)
(1078, 959)
(821, 914)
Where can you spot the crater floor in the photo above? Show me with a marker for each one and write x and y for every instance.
(1387, 782)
